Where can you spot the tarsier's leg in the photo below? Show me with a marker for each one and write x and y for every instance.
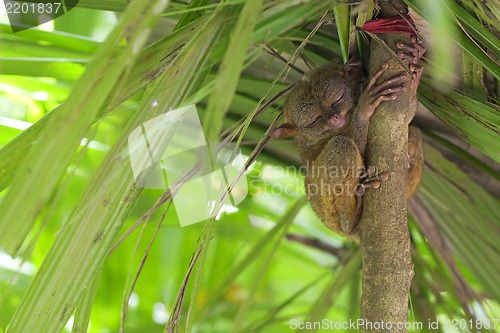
(332, 181)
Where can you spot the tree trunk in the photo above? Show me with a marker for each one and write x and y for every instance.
(384, 239)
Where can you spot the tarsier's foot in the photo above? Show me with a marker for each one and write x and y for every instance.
(370, 179)
(408, 161)
(412, 52)
(371, 171)
(385, 91)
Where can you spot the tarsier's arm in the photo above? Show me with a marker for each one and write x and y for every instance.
(413, 53)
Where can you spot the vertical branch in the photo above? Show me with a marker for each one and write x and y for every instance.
(384, 239)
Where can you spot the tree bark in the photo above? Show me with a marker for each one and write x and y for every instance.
(385, 241)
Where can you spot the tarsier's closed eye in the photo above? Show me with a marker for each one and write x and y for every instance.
(315, 122)
(319, 118)
(338, 100)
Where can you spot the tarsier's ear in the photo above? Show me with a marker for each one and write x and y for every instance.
(354, 64)
(354, 70)
(284, 131)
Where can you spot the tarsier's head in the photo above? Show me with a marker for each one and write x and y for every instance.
(319, 105)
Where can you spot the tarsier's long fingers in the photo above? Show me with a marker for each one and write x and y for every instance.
(419, 45)
(375, 76)
(386, 91)
(370, 171)
(382, 93)
(394, 80)
(413, 52)
(408, 53)
(416, 74)
(404, 56)
(389, 94)
(383, 176)
(373, 181)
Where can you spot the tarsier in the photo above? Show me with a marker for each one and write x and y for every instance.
(328, 112)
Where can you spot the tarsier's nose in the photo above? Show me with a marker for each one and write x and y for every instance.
(336, 120)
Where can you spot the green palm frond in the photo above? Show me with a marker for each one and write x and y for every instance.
(72, 93)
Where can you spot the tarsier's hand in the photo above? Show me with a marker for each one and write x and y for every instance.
(413, 53)
(374, 94)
